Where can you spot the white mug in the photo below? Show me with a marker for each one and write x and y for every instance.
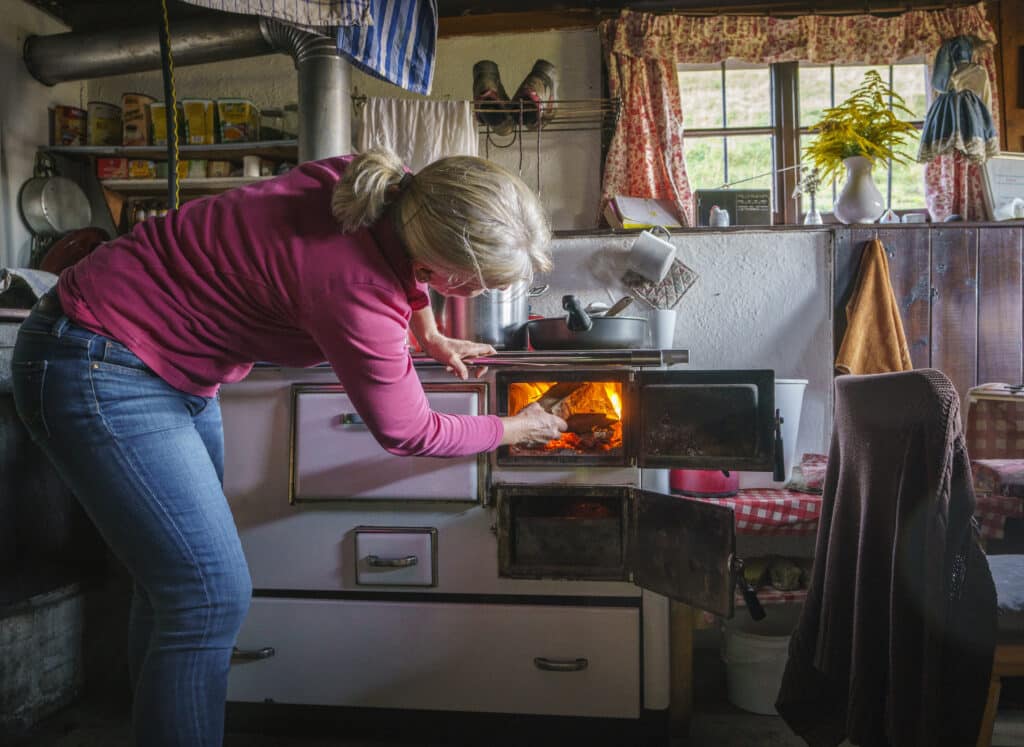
(663, 328)
(651, 257)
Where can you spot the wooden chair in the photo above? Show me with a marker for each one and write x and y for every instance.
(1008, 661)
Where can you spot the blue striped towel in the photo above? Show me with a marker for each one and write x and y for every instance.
(399, 46)
(310, 14)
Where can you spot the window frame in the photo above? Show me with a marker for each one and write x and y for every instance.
(786, 132)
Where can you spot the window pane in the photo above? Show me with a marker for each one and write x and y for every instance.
(911, 82)
(701, 93)
(907, 186)
(750, 155)
(815, 88)
(748, 97)
(705, 164)
(826, 194)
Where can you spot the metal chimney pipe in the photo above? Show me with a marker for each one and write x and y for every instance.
(325, 127)
(325, 123)
(75, 56)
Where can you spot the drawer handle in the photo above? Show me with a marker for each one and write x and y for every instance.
(560, 665)
(252, 654)
(407, 562)
(351, 420)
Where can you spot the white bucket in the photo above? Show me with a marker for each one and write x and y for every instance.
(755, 654)
(789, 401)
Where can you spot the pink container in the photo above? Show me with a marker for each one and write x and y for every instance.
(704, 483)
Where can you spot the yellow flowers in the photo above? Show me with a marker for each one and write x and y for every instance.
(866, 124)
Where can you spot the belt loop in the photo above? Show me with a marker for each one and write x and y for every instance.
(60, 326)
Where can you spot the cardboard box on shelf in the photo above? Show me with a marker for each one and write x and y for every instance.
(111, 168)
(68, 125)
(238, 120)
(200, 121)
(158, 121)
(135, 118)
(641, 212)
(103, 124)
(141, 169)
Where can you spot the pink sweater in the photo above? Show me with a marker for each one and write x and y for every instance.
(263, 273)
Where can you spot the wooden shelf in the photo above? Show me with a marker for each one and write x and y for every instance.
(278, 149)
(188, 186)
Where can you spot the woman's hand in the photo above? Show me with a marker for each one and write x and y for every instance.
(532, 424)
(453, 353)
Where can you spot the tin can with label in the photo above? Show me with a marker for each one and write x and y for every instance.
(103, 124)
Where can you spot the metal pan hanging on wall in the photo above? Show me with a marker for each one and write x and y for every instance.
(52, 205)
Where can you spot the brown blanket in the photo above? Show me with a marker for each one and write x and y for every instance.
(874, 341)
(894, 643)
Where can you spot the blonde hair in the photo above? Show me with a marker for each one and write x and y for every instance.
(464, 217)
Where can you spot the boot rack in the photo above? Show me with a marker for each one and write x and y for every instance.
(570, 115)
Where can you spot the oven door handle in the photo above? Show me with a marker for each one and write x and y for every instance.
(560, 665)
(376, 561)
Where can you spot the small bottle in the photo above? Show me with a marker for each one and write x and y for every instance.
(140, 215)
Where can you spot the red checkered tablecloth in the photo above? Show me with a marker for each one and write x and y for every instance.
(992, 511)
(776, 512)
(771, 511)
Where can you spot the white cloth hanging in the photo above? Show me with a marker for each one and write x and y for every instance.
(420, 131)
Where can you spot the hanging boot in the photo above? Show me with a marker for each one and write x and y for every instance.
(490, 102)
(535, 95)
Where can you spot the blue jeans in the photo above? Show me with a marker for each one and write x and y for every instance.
(146, 462)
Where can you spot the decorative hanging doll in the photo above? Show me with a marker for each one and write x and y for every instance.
(959, 118)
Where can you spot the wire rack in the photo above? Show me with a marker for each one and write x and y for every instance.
(569, 115)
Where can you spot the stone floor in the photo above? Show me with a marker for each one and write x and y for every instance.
(715, 723)
(96, 725)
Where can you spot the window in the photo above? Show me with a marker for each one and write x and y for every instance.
(738, 126)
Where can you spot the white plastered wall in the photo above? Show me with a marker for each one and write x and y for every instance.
(23, 120)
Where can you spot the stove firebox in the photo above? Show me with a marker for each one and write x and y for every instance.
(627, 417)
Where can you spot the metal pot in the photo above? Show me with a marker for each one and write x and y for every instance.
(496, 317)
(51, 205)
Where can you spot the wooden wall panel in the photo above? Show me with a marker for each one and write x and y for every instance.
(999, 306)
(909, 272)
(955, 305)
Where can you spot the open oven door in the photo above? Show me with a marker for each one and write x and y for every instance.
(685, 549)
(707, 420)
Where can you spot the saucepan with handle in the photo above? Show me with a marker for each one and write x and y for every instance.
(580, 330)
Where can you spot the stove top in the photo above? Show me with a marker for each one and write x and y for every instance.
(639, 357)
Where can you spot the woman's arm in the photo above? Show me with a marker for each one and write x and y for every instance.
(447, 350)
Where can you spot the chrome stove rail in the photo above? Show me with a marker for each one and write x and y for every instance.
(518, 358)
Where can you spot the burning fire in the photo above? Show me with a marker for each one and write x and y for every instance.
(593, 411)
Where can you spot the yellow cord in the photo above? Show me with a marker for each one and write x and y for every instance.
(173, 103)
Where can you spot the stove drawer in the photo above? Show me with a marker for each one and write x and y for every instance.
(335, 457)
(396, 556)
(530, 659)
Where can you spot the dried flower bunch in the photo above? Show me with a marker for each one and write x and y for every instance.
(866, 124)
(810, 181)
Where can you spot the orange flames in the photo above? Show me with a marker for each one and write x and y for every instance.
(593, 411)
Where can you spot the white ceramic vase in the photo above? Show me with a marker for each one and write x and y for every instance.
(859, 201)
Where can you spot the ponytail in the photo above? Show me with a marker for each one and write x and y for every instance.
(360, 196)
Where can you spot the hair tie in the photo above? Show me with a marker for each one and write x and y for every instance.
(405, 181)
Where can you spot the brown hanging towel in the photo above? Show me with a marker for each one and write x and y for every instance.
(874, 341)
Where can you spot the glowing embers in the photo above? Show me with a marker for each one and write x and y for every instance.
(592, 409)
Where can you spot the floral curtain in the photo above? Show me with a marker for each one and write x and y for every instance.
(643, 49)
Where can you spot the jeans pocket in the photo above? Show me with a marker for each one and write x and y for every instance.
(29, 379)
